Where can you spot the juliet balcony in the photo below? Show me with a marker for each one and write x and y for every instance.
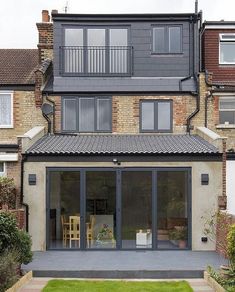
(96, 60)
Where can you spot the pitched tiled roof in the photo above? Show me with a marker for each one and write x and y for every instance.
(17, 66)
(121, 144)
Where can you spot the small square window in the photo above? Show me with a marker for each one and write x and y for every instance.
(2, 168)
(167, 39)
(6, 110)
(227, 49)
(156, 116)
(227, 110)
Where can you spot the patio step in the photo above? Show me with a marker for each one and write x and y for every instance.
(123, 274)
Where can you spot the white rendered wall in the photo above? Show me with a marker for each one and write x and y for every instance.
(230, 182)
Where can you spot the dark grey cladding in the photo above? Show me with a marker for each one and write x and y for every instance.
(121, 144)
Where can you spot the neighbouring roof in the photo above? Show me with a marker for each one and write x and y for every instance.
(17, 66)
(121, 144)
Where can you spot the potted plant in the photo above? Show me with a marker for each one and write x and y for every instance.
(179, 234)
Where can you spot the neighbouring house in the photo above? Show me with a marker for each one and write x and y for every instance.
(18, 111)
(127, 162)
(218, 60)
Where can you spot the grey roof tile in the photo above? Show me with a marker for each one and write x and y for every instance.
(121, 144)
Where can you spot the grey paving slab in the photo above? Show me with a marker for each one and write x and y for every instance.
(124, 260)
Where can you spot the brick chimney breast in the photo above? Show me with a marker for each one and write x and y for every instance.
(45, 16)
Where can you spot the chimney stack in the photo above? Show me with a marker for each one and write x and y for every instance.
(45, 16)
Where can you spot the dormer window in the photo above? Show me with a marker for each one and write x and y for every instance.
(227, 49)
(96, 50)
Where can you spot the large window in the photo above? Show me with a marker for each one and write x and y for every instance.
(156, 116)
(227, 49)
(6, 110)
(96, 50)
(227, 110)
(87, 114)
(167, 39)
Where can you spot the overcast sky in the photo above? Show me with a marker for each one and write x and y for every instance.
(18, 17)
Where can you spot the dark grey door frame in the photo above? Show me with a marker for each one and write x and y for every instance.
(119, 171)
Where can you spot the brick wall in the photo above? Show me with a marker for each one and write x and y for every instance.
(210, 44)
(222, 231)
(45, 45)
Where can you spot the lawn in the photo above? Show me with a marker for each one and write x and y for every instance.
(116, 286)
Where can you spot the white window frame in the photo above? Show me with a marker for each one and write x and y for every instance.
(4, 169)
(11, 125)
(221, 40)
(221, 98)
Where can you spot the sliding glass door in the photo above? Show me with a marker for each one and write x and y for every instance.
(145, 208)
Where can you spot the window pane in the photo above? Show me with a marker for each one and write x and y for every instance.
(174, 39)
(147, 115)
(73, 56)
(96, 50)
(227, 103)
(86, 114)
(74, 37)
(226, 116)
(227, 52)
(69, 116)
(118, 52)
(164, 116)
(103, 115)
(1, 167)
(5, 110)
(159, 40)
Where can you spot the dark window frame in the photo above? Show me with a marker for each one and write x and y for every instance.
(156, 101)
(107, 29)
(76, 98)
(167, 43)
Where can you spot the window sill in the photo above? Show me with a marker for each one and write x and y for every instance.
(6, 127)
(224, 126)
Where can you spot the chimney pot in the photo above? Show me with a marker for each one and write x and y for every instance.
(54, 11)
(45, 16)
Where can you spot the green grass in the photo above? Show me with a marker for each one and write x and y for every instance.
(116, 286)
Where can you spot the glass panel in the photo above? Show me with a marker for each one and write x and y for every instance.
(69, 115)
(5, 110)
(227, 117)
(227, 52)
(136, 226)
(96, 50)
(227, 103)
(64, 196)
(172, 205)
(104, 114)
(147, 116)
(159, 40)
(74, 52)
(101, 209)
(118, 50)
(86, 114)
(174, 39)
(164, 116)
(1, 166)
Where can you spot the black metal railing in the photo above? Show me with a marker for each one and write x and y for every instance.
(96, 60)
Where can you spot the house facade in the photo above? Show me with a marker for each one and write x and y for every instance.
(127, 162)
(218, 60)
(18, 110)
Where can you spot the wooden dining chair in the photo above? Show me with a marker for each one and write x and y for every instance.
(90, 230)
(74, 230)
(65, 230)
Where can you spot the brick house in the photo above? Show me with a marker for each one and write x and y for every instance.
(18, 112)
(218, 60)
(126, 156)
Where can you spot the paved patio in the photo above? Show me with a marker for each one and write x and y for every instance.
(123, 264)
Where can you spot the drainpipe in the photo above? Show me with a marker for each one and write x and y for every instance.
(22, 193)
(53, 104)
(206, 107)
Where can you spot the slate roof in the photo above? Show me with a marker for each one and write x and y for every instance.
(121, 144)
(17, 66)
